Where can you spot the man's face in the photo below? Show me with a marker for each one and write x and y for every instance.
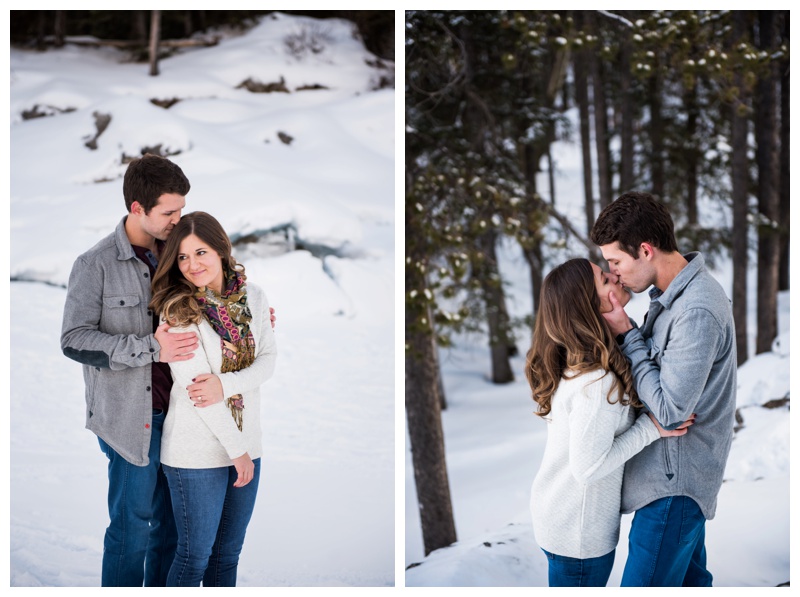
(164, 216)
(637, 275)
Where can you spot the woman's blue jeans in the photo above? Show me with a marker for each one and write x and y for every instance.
(139, 543)
(211, 516)
(574, 572)
(666, 545)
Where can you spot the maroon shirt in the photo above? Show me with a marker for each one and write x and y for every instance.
(162, 378)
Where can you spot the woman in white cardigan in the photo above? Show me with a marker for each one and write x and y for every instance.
(584, 389)
(211, 442)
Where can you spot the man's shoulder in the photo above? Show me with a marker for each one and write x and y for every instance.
(102, 246)
(107, 248)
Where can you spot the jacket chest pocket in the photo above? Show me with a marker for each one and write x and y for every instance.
(121, 314)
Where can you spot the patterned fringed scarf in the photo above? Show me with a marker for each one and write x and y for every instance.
(230, 317)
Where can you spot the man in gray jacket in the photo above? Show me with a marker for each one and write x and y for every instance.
(683, 359)
(109, 328)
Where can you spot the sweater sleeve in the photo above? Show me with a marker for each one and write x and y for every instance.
(217, 417)
(672, 389)
(594, 451)
(262, 368)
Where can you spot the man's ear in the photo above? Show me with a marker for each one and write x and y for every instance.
(136, 208)
(646, 250)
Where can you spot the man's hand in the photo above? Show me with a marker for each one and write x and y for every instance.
(617, 319)
(674, 432)
(245, 467)
(175, 347)
(272, 317)
(206, 390)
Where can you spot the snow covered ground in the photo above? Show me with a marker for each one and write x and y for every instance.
(325, 514)
(494, 444)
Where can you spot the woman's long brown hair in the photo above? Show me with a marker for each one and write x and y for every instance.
(173, 294)
(571, 334)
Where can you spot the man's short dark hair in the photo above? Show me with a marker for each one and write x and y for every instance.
(635, 218)
(149, 177)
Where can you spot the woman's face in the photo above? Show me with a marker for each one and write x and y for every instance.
(606, 284)
(200, 264)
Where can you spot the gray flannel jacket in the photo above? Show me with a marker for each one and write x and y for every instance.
(108, 328)
(684, 361)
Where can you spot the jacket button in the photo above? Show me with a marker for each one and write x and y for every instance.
(147, 426)
(146, 275)
(152, 350)
(133, 354)
(148, 388)
(149, 312)
(122, 302)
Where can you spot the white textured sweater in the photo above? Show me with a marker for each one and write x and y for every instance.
(575, 497)
(208, 437)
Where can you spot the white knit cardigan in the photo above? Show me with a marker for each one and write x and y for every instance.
(575, 497)
(208, 437)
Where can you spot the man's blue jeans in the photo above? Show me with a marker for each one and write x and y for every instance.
(666, 545)
(573, 572)
(139, 544)
(211, 517)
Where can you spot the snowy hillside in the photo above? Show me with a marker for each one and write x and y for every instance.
(309, 175)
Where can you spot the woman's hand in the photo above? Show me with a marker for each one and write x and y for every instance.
(206, 390)
(245, 468)
(674, 432)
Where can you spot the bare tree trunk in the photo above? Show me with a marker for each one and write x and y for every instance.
(626, 180)
(533, 256)
(485, 270)
(600, 124)
(691, 157)
(139, 26)
(783, 273)
(187, 23)
(59, 28)
(582, 99)
(40, 30)
(551, 177)
(656, 133)
(768, 198)
(741, 184)
(423, 415)
(155, 37)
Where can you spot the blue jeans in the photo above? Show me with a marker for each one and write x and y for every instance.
(574, 572)
(212, 516)
(666, 545)
(139, 543)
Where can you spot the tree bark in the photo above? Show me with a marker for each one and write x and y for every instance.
(155, 36)
(626, 180)
(691, 154)
(656, 132)
(535, 261)
(768, 198)
(423, 415)
(582, 99)
(600, 124)
(40, 30)
(740, 181)
(139, 26)
(783, 270)
(59, 28)
(501, 343)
